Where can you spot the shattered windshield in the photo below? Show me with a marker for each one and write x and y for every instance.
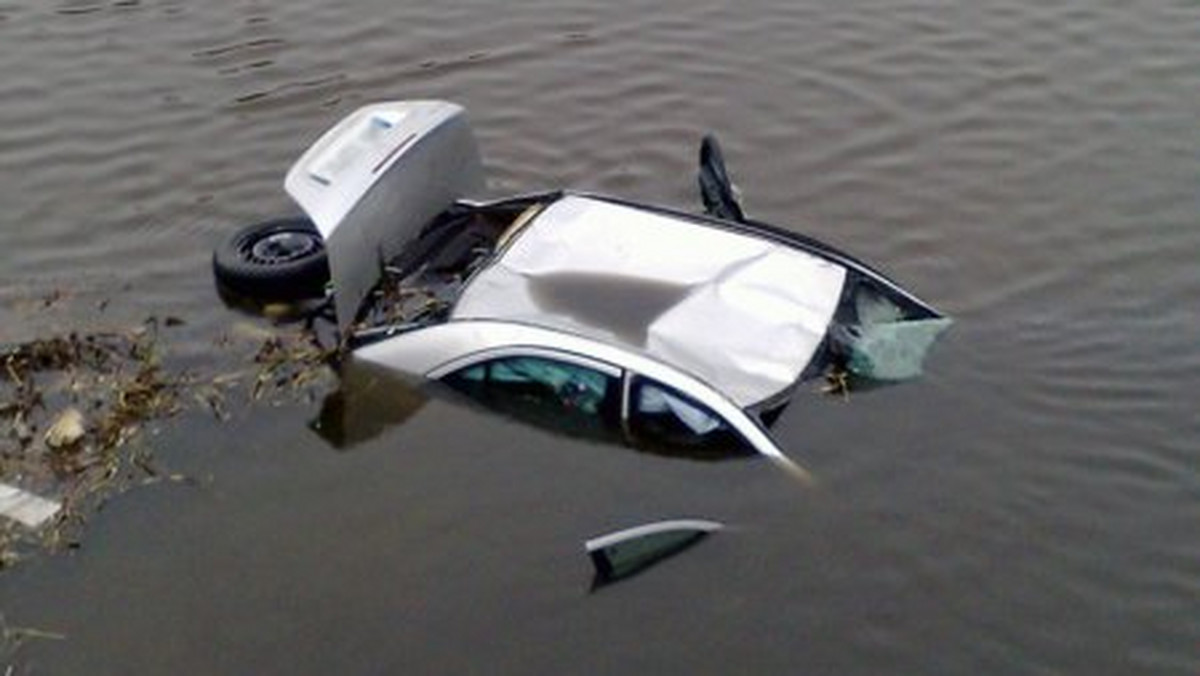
(883, 344)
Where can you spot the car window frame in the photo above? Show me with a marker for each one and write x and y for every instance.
(510, 351)
(622, 363)
(740, 420)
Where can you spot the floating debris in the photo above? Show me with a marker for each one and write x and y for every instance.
(25, 507)
(67, 430)
(14, 638)
(68, 407)
(292, 363)
(74, 409)
(837, 383)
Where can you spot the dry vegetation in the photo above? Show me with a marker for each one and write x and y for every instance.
(74, 412)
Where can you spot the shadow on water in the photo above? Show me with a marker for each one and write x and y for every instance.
(368, 402)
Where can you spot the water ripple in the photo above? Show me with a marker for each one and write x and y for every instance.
(1030, 167)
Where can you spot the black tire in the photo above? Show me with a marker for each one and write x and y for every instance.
(278, 260)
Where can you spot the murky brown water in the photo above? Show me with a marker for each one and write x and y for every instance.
(1030, 506)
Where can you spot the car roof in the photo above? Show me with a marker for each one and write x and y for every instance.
(741, 312)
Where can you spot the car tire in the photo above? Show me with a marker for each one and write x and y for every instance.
(278, 260)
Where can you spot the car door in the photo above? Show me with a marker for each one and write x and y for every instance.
(561, 392)
(565, 392)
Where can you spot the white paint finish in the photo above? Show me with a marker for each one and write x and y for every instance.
(750, 318)
(335, 173)
(375, 179)
(685, 525)
(428, 351)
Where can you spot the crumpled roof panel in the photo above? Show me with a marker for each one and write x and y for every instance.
(742, 313)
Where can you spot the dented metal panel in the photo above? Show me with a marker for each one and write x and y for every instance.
(742, 313)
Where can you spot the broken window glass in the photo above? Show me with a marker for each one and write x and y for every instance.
(883, 344)
(893, 350)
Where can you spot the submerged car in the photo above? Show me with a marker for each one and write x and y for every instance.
(665, 330)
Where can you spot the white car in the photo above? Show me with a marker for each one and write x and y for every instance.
(668, 331)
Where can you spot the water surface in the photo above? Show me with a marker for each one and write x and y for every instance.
(1029, 506)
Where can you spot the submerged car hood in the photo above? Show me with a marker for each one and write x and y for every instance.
(743, 313)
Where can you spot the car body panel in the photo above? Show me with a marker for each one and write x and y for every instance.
(728, 311)
(373, 181)
(437, 350)
(741, 312)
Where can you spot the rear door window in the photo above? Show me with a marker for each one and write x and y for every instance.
(664, 419)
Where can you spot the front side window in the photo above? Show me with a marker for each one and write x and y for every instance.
(551, 393)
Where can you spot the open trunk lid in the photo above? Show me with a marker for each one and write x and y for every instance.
(373, 181)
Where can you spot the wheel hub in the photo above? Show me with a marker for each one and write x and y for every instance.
(283, 247)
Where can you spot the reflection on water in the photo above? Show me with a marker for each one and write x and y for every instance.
(368, 401)
(1029, 505)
